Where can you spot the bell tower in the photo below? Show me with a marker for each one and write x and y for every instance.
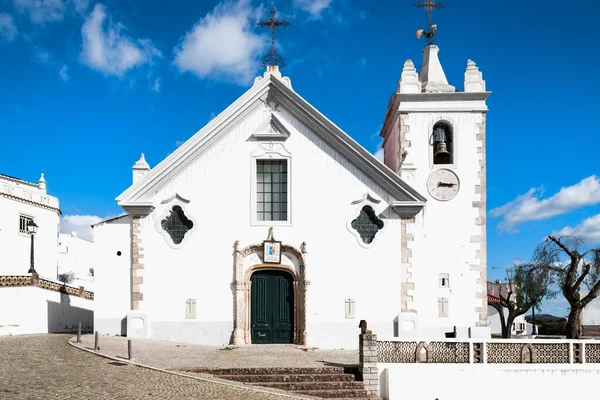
(434, 138)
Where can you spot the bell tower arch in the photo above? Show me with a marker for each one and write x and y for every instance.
(434, 138)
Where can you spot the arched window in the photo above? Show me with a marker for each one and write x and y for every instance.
(442, 143)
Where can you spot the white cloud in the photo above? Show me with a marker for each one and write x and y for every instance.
(222, 45)
(313, 7)
(8, 30)
(588, 230)
(379, 152)
(42, 11)
(80, 224)
(41, 55)
(80, 6)
(109, 50)
(530, 207)
(156, 85)
(63, 73)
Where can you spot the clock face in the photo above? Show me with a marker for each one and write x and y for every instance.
(443, 184)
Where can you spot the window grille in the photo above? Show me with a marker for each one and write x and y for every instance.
(177, 224)
(367, 224)
(271, 190)
(23, 221)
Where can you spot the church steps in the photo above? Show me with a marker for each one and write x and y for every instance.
(317, 385)
(335, 393)
(265, 371)
(278, 378)
(336, 383)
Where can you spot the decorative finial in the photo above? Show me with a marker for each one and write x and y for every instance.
(429, 6)
(141, 163)
(42, 182)
(272, 59)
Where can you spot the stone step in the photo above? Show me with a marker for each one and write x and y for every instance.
(266, 371)
(329, 394)
(275, 378)
(295, 386)
(354, 398)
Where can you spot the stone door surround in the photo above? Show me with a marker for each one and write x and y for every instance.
(242, 286)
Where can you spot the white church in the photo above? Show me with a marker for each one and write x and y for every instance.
(272, 225)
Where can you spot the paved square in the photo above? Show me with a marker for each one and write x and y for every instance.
(36, 367)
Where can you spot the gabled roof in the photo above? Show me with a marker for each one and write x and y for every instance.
(271, 88)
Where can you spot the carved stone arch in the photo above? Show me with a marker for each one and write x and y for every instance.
(528, 354)
(423, 346)
(242, 288)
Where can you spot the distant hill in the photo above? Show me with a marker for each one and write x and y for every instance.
(549, 324)
(541, 318)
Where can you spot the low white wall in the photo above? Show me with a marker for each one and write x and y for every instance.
(489, 382)
(216, 333)
(28, 309)
(112, 275)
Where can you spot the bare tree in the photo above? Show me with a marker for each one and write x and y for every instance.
(525, 288)
(582, 267)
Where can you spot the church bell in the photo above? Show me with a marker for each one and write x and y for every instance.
(441, 154)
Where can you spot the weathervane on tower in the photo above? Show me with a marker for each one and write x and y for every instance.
(272, 58)
(430, 6)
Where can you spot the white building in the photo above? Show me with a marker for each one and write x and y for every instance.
(76, 259)
(590, 317)
(21, 202)
(272, 225)
(520, 327)
(36, 302)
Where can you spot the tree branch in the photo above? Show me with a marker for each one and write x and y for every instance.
(591, 295)
(584, 273)
(562, 246)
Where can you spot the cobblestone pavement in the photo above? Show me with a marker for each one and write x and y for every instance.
(172, 355)
(36, 367)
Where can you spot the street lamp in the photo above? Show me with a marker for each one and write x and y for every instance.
(32, 229)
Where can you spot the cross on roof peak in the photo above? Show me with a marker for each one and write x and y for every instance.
(272, 58)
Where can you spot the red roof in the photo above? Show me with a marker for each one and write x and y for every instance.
(493, 299)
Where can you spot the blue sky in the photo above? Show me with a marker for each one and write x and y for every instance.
(86, 86)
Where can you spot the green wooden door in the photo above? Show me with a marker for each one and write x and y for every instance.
(272, 300)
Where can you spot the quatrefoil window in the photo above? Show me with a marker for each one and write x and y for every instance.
(367, 224)
(176, 224)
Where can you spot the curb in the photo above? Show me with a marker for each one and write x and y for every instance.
(217, 381)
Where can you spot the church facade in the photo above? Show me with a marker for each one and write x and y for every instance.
(272, 225)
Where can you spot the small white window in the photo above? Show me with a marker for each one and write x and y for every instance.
(444, 281)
